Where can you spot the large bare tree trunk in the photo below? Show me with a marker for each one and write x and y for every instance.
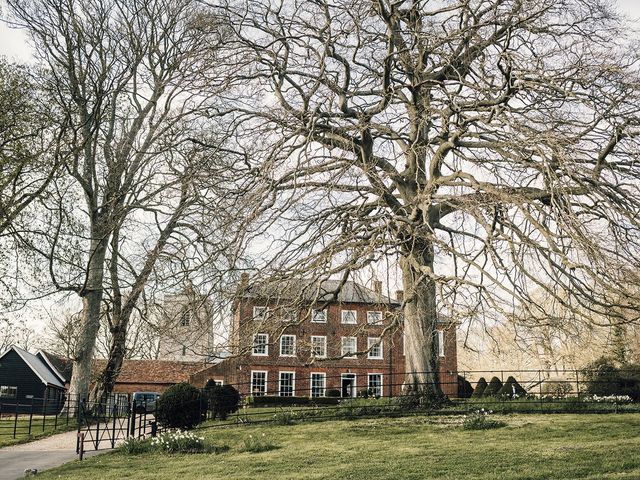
(106, 380)
(91, 303)
(420, 321)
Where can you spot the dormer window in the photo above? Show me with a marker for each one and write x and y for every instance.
(374, 318)
(349, 317)
(319, 316)
(259, 313)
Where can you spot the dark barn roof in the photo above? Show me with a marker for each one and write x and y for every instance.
(47, 375)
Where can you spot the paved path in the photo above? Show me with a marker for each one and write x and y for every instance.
(41, 454)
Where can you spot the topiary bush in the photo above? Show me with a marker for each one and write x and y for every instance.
(512, 389)
(605, 378)
(334, 393)
(481, 386)
(493, 388)
(222, 399)
(180, 406)
(557, 388)
(465, 390)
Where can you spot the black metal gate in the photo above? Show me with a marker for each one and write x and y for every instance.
(104, 424)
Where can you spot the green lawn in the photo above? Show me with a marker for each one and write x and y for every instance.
(38, 429)
(531, 447)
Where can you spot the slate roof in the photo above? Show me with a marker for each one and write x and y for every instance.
(61, 365)
(38, 366)
(308, 290)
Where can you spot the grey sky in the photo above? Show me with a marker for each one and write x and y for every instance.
(14, 45)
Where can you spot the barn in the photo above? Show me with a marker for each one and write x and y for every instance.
(28, 383)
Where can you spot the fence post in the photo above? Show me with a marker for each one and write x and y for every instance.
(97, 440)
(132, 422)
(540, 390)
(578, 384)
(79, 407)
(15, 418)
(113, 428)
(44, 411)
(31, 415)
(80, 450)
(56, 411)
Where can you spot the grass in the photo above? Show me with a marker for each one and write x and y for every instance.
(39, 429)
(530, 447)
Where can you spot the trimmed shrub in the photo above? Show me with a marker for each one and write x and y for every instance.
(276, 401)
(180, 406)
(604, 378)
(512, 389)
(271, 400)
(493, 388)
(481, 386)
(465, 390)
(334, 393)
(366, 393)
(222, 399)
(557, 388)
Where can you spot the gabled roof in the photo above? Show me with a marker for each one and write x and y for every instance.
(60, 366)
(37, 365)
(324, 291)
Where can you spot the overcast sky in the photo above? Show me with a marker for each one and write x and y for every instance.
(13, 43)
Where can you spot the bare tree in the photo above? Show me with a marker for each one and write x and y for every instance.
(26, 164)
(62, 331)
(134, 80)
(28, 159)
(15, 332)
(489, 145)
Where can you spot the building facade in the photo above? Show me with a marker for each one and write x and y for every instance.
(346, 341)
(186, 327)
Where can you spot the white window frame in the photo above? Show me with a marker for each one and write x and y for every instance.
(319, 310)
(293, 383)
(6, 389)
(266, 382)
(343, 352)
(260, 313)
(323, 375)
(369, 375)
(371, 341)
(266, 345)
(294, 346)
(324, 344)
(289, 316)
(345, 314)
(354, 391)
(375, 322)
(440, 343)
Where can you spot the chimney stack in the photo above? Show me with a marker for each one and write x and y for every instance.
(244, 281)
(400, 295)
(377, 287)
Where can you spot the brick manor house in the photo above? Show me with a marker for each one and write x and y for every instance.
(337, 340)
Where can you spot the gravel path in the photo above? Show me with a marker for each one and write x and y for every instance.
(41, 454)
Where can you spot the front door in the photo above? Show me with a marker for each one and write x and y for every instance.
(348, 385)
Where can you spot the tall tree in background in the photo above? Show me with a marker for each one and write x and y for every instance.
(490, 145)
(134, 79)
(28, 155)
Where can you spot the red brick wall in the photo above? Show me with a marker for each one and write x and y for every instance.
(392, 366)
